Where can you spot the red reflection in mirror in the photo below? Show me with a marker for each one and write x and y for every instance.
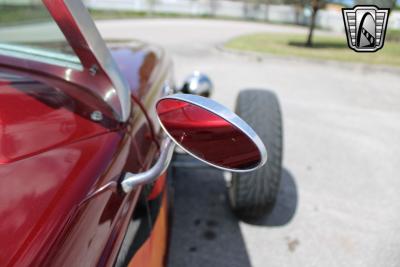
(208, 136)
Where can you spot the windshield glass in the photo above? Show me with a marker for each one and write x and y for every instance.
(27, 30)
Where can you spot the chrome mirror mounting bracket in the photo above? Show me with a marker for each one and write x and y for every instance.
(131, 181)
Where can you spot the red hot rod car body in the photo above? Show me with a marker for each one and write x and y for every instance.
(85, 141)
(60, 204)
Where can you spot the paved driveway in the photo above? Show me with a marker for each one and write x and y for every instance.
(340, 197)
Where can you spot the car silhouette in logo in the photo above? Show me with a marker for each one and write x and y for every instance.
(365, 27)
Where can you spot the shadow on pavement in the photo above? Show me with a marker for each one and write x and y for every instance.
(285, 206)
(205, 232)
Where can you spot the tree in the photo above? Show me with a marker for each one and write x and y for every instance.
(315, 6)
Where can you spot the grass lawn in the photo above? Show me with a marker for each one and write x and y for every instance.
(329, 48)
(20, 14)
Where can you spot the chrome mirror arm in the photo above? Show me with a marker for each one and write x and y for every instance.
(132, 180)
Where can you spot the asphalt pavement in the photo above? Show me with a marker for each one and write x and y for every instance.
(339, 203)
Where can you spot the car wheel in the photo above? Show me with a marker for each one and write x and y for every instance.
(253, 194)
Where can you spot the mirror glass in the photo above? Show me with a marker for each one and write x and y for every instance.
(208, 136)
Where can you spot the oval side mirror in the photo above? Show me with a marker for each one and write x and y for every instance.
(211, 133)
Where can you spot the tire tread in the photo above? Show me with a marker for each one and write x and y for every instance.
(253, 194)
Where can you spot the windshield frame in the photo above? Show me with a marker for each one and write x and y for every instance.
(98, 72)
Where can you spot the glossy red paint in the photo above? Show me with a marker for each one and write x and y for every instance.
(39, 194)
(60, 204)
(35, 117)
(59, 225)
(207, 135)
(98, 224)
(140, 65)
(81, 80)
(52, 156)
(148, 70)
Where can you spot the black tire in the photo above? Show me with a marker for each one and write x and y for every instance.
(253, 194)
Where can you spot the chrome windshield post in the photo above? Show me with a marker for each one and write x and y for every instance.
(75, 22)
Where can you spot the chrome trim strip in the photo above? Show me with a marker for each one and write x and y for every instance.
(226, 114)
(130, 180)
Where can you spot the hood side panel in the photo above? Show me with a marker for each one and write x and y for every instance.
(38, 194)
(36, 117)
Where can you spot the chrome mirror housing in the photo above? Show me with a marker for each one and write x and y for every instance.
(197, 84)
(211, 132)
